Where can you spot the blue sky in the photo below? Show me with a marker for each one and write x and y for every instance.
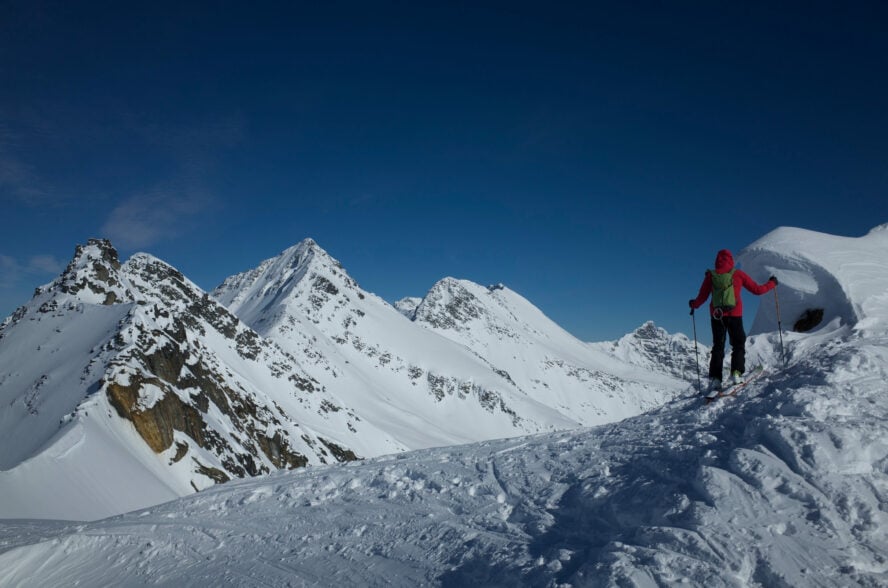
(591, 157)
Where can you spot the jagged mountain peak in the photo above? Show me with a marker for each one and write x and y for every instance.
(450, 304)
(458, 305)
(656, 349)
(466, 298)
(278, 280)
(153, 279)
(304, 252)
(650, 330)
(93, 275)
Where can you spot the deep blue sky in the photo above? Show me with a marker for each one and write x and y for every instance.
(591, 156)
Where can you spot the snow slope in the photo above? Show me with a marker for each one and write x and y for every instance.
(784, 485)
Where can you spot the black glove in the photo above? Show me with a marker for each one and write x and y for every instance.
(773, 279)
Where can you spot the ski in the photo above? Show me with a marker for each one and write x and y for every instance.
(732, 390)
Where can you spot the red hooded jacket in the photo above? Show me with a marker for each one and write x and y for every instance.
(724, 262)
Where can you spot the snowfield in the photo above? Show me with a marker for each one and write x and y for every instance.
(783, 485)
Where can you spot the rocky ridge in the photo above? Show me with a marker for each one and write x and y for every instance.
(211, 398)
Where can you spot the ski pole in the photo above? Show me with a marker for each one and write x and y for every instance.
(696, 353)
(779, 327)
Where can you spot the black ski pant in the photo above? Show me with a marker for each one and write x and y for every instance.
(732, 326)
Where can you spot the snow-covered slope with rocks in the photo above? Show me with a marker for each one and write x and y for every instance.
(427, 386)
(415, 384)
(124, 385)
(594, 383)
(653, 349)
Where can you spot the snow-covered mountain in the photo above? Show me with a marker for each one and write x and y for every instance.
(655, 350)
(595, 383)
(784, 485)
(471, 363)
(419, 386)
(124, 385)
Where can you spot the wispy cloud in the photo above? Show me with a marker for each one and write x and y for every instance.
(146, 219)
(151, 208)
(9, 270)
(176, 205)
(44, 264)
(25, 177)
(18, 180)
(13, 272)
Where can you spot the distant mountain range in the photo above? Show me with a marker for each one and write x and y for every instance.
(124, 384)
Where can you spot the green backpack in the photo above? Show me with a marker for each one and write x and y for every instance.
(723, 290)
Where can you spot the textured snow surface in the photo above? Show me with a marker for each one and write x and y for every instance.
(785, 485)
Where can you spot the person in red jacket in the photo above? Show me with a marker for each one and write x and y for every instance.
(727, 319)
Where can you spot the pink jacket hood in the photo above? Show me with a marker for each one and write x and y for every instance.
(724, 262)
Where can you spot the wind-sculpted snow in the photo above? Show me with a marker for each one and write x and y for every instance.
(784, 485)
(844, 277)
